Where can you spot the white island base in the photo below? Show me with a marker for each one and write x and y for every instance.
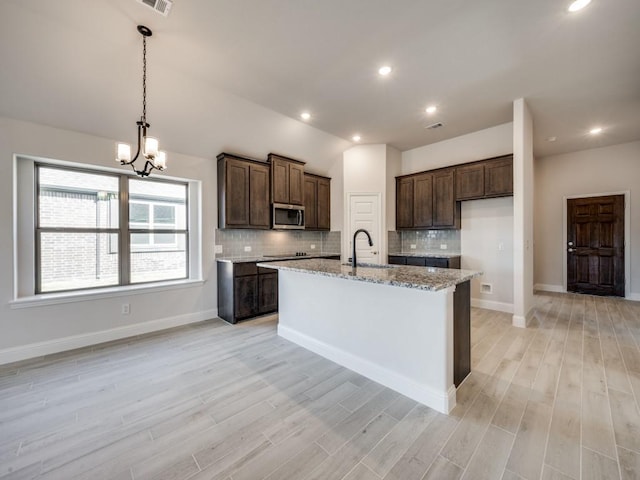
(399, 337)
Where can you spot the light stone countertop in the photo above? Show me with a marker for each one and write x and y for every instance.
(422, 278)
(274, 258)
(430, 254)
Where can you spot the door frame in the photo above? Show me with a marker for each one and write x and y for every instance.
(627, 236)
(382, 250)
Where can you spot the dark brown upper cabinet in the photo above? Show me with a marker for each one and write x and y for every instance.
(243, 192)
(446, 211)
(317, 202)
(287, 180)
(426, 200)
(485, 179)
(414, 201)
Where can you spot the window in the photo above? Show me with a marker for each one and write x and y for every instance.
(96, 229)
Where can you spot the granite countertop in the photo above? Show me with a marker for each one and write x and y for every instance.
(431, 254)
(422, 278)
(274, 259)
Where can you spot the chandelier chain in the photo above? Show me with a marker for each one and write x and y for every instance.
(144, 79)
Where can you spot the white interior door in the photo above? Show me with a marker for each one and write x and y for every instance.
(364, 212)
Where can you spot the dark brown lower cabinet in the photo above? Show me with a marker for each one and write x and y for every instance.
(246, 290)
(451, 262)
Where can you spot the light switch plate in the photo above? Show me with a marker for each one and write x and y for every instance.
(413, 246)
(247, 248)
(313, 247)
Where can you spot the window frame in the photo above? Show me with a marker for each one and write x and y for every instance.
(123, 231)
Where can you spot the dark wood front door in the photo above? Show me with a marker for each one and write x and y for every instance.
(595, 245)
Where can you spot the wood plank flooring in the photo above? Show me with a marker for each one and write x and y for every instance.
(558, 400)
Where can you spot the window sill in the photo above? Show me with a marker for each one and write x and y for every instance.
(110, 292)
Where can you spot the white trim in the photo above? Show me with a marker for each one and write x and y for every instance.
(90, 295)
(23, 352)
(492, 305)
(633, 296)
(420, 393)
(547, 287)
(520, 321)
(627, 235)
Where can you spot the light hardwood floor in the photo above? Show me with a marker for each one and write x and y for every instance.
(558, 400)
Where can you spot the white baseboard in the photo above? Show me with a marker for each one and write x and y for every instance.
(24, 352)
(491, 305)
(634, 296)
(522, 321)
(546, 287)
(441, 401)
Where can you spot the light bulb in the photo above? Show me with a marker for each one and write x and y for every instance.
(161, 160)
(150, 147)
(123, 152)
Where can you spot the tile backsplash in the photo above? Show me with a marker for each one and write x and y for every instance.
(273, 242)
(424, 241)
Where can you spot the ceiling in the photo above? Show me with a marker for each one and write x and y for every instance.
(74, 64)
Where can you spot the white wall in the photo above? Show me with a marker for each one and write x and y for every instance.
(45, 329)
(523, 197)
(487, 143)
(485, 223)
(589, 172)
(394, 167)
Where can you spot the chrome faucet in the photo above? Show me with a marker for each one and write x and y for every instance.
(353, 254)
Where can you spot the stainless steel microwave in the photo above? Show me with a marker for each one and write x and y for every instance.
(288, 217)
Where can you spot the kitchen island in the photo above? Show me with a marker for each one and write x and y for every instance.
(404, 327)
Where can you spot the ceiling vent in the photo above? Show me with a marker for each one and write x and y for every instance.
(160, 6)
(433, 126)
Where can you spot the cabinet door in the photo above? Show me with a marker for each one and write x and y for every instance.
(237, 193)
(259, 215)
(296, 184)
(310, 202)
(404, 202)
(423, 200)
(324, 204)
(245, 291)
(498, 177)
(446, 212)
(279, 181)
(470, 181)
(268, 292)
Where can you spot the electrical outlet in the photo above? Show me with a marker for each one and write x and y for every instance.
(486, 288)
(247, 248)
(126, 309)
(443, 246)
(412, 246)
(501, 246)
(217, 249)
(313, 247)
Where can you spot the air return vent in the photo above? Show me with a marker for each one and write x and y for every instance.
(160, 6)
(433, 126)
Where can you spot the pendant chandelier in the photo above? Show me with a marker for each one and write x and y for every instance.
(147, 146)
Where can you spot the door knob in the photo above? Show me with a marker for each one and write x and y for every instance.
(571, 250)
(375, 253)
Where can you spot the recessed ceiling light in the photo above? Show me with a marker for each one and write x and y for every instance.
(552, 139)
(578, 5)
(386, 70)
(431, 109)
(595, 131)
(305, 115)
(356, 138)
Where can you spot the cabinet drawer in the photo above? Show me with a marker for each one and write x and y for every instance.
(244, 269)
(437, 262)
(397, 260)
(266, 271)
(417, 261)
